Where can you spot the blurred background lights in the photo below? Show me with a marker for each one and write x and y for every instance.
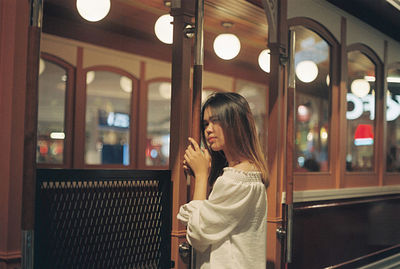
(126, 84)
(360, 87)
(93, 10)
(42, 66)
(164, 28)
(306, 71)
(227, 46)
(90, 77)
(165, 90)
(264, 60)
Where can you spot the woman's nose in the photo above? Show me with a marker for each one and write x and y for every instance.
(209, 128)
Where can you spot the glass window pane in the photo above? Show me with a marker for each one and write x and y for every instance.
(313, 101)
(108, 102)
(255, 95)
(158, 123)
(393, 120)
(51, 111)
(360, 112)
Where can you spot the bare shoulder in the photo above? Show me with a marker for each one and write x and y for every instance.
(246, 166)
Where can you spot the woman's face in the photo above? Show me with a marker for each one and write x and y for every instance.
(213, 131)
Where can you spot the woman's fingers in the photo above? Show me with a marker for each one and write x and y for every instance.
(194, 143)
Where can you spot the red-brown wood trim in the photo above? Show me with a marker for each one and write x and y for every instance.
(389, 178)
(80, 105)
(349, 263)
(379, 118)
(342, 103)
(68, 111)
(382, 124)
(316, 27)
(344, 202)
(142, 117)
(133, 117)
(30, 130)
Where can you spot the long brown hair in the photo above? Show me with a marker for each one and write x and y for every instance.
(238, 125)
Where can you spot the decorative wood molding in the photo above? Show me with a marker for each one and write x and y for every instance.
(271, 11)
(10, 256)
(179, 233)
(333, 194)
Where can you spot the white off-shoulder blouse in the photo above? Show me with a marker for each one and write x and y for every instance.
(229, 229)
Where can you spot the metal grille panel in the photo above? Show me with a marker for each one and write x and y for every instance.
(102, 219)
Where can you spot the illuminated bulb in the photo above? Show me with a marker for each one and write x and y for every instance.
(126, 84)
(42, 66)
(360, 87)
(264, 60)
(90, 77)
(165, 90)
(164, 28)
(93, 10)
(227, 46)
(306, 71)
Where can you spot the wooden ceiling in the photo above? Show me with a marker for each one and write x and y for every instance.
(134, 20)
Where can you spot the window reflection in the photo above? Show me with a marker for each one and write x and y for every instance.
(158, 123)
(313, 101)
(255, 95)
(51, 111)
(108, 104)
(360, 113)
(393, 120)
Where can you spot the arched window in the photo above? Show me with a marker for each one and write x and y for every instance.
(362, 90)
(315, 116)
(393, 119)
(315, 54)
(110, 117)
(54, 131)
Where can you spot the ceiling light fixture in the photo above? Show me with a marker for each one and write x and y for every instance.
(360, 87)
(90, 77)
(42, 66)
(164, 28)
(126, 84)
(307, 71)
(226, 45)
(93, 10)
(264, 60)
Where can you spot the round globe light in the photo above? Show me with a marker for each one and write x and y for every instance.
(360, 87)
(227, 46)
(90, 77)
(93, 10)
(306, 71)
(42, 66)
(165, 90)
(264, 60)
(126, 84)
(164, 28)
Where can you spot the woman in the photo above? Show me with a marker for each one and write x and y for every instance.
(228, 229)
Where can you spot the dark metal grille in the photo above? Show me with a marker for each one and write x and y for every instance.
(102, 219)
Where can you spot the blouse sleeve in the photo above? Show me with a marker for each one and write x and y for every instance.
(210, 221)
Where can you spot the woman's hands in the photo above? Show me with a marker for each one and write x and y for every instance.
(197, 161)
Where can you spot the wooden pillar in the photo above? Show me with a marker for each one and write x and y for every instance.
(181, 99)
(30, 133)
(14, 22)
(276, 12)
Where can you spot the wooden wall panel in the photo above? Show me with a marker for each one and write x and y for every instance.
(332, 232)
